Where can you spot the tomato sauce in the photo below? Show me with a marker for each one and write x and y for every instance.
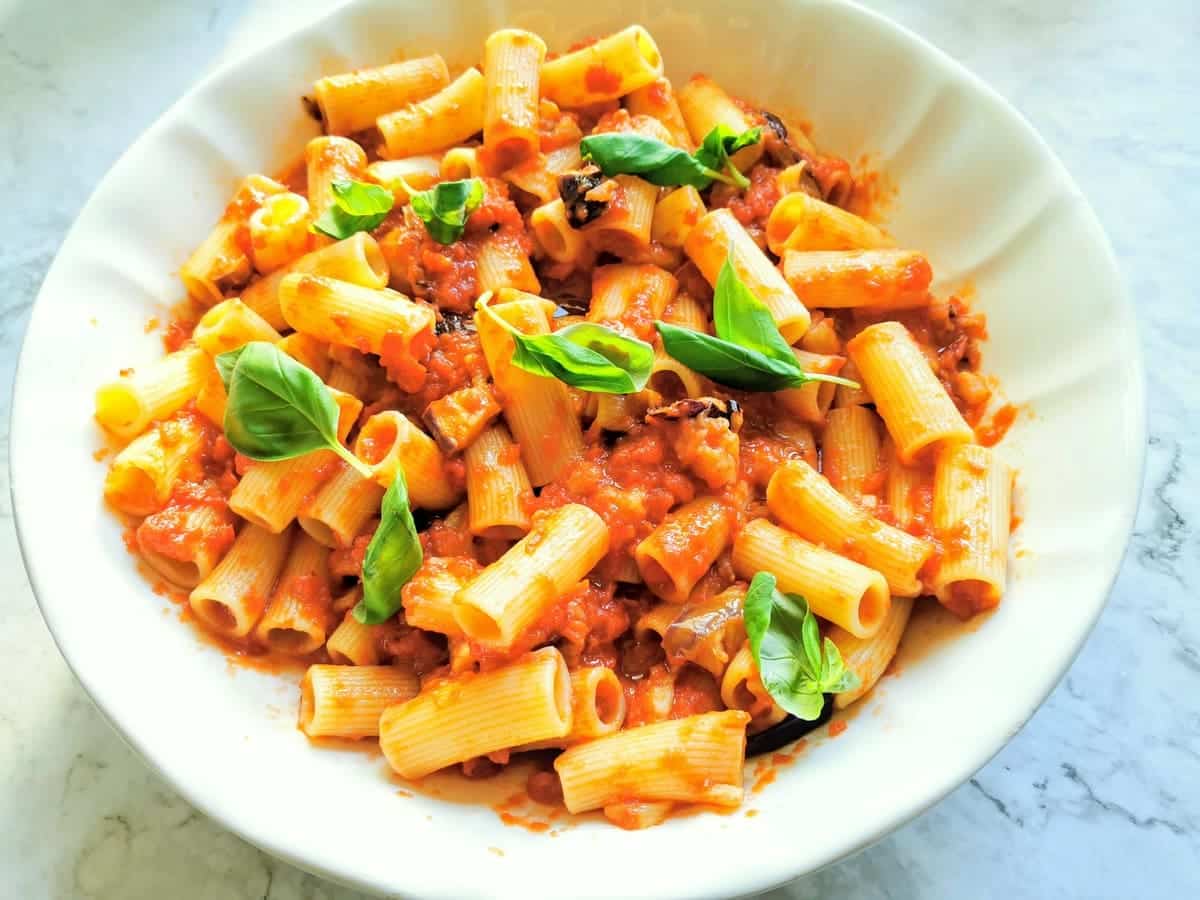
(632, 479)
(753, 206)
(632, 487)
(601, 80)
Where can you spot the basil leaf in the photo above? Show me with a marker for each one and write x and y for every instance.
(736, 366)
(392, 558)
(587, 356)
(834, 674)
(356, 207)
(728, 363)
(624, 153)
(226, 362)
(277, 408)
(784, 641)
(444, 207)
(723, 142)
(740, 317)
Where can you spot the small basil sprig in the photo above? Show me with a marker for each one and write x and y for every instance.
(444, 208)
(626, 153)
(723, 142)
(748, 352)
(356, 207)
(393, 556)
(587, 356)
(276, 408)
(785, 641)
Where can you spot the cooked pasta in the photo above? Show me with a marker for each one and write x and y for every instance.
(517, 428)
(352, 101)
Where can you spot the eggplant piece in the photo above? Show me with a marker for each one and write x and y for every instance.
(448, 321)
(790, 729)
(703, 633)
(574, 187)
(781, 152)
(693, 407)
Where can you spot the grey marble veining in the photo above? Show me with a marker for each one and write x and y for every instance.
(1099, 795)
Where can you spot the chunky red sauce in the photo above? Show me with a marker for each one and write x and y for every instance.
(633, 479)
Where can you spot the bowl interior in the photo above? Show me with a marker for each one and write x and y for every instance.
(978, 191)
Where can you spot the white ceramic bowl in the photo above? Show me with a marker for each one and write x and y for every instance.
(979, 191)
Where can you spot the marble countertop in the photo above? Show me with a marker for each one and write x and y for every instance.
(1097, 797)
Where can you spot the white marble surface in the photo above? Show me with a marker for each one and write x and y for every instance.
(1099, 796)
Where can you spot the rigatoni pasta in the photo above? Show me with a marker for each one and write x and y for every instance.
(470, 715)
(462, 413)
(720, 236)
(916, 407)
(972, 493)
(352, 101)
(509, 595)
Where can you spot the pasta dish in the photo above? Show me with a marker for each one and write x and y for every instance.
(548, 408)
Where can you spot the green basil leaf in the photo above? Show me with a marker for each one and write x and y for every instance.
(727, 363)
(277, 408)
(226, 363)
(741, 318)
(810, 639)
(587, 356)
(632, 356)
(392, 558)
(723, 142)
(835, 676)
(736, 366)
(356, 206)
(444, 208)
(784, 636)
(625, 153)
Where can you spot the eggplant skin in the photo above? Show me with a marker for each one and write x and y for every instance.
(790, 729)
(693, 407)
(573, 187)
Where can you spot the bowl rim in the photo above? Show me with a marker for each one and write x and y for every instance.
(768, 873)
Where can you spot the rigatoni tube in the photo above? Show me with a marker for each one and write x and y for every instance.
(326, 160)
(838, 589)
(297, 617)
(513, 592)
(352, 101)
(144, 474)
(389, 441)
(805, 501)
(705, 106)
(229, 325)
(720, 236)
(972, 509)
(232, 596)
(879, 279)
(353, 316)
(868, 658)
(357, 260)
(624, 61)
(342, 506)
(801, 222)
(126, 406)
(676, 554)
(347, 701)
(497, 486)
(696, 759)
(474, 714)
(538, 409)
(512, 60)
(449, 117)
(916, 408)
(850, 450)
